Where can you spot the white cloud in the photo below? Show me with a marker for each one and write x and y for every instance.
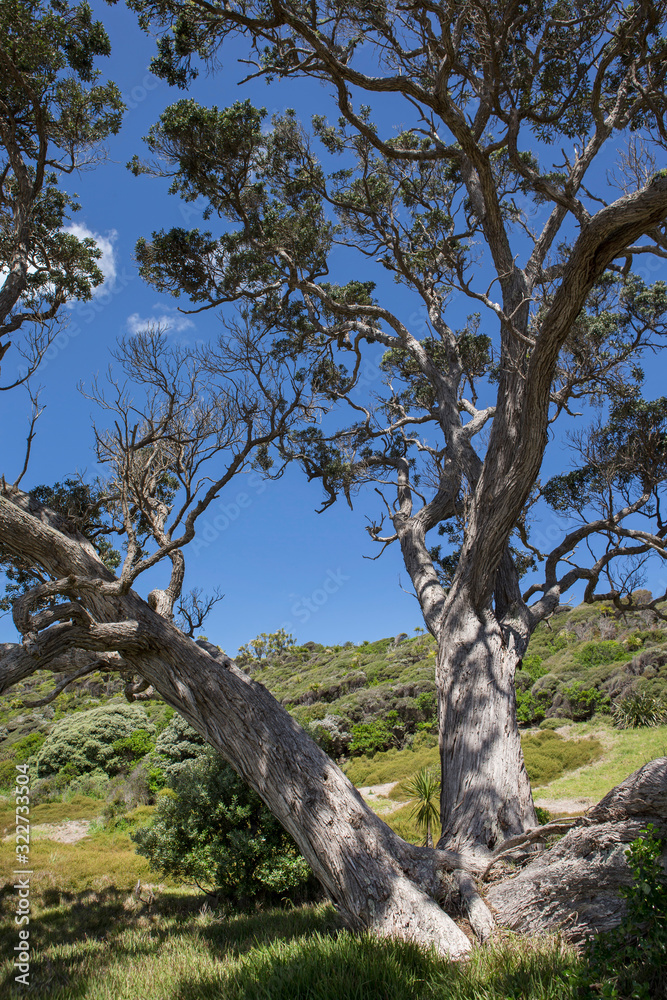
(107, 262)
(169, 321)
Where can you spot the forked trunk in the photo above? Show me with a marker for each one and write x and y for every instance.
(485, 795)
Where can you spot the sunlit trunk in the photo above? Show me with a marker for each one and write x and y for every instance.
(485, 795)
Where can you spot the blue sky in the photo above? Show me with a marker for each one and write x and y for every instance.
(278, 562)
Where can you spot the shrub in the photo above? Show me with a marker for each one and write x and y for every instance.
(547, 755)
(210, 829)
(631, 960)
(532, 666)
(19, 753)
(554, 723)
(639, 709)
(557, 642)
(130, 749)
(584, 701)
(177, 744)
(427, 703)
(331, 733)
(370, 737)
(592, 654)
(528, 708)
(85, 741)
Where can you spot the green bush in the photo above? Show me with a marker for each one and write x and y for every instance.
(370, 737)
(639, 709)
(592, 654)
(554, 723)
(557, 642)
(584, 701)
(631, 960)
(177, 744)
(211, 830)
(532, 666)
(528, 709)
(84, 741)
(130, 749)
(19, 753)
(548, 755)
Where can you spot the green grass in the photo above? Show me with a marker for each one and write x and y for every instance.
(79, 807)
(99, 947)
(548, 754)
(629, 749)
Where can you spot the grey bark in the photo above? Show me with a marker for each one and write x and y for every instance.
(375, 878)
(573, 887)
(485, 792)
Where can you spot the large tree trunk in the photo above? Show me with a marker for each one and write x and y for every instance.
(486, 793)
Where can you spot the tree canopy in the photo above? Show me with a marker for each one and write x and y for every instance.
(54, 115)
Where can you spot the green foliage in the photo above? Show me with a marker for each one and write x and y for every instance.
(210, 829)
(554, 723)
(85, 741)
(19, 753)
(630, 961)
(267, 644)
(528, 709)
(532, 666)
(131, 749)
(370, 737)
(639, 709)
(584, 701)
(593, 653)
(55, 113)
(547, 755)
(424, 787)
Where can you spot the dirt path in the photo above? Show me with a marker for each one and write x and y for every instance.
(376, 797)
(566, 807)
(64, 833)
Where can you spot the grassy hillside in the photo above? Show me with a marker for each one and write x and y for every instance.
(373, 708)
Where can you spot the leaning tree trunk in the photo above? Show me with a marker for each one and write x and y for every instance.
(376, 879)
(485, 794)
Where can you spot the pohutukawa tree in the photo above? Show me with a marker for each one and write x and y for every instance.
(448, 205)
(53, 118)
(464, 203)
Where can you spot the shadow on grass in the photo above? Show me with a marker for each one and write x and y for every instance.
(361, 967)
(74, 937)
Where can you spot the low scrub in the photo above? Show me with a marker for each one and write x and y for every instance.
(548, 755)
